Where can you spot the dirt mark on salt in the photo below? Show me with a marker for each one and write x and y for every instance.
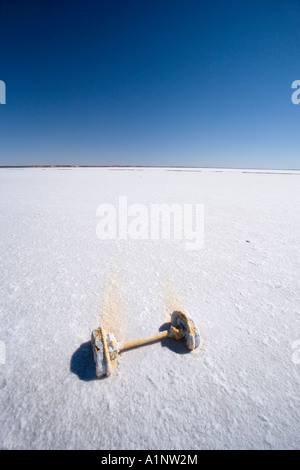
(112, 306)
(171, 300)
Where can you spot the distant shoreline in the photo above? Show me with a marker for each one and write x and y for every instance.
(150, 166)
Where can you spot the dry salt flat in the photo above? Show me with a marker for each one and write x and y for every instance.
(239, 390)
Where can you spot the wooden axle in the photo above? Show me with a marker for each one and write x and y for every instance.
(172, 332)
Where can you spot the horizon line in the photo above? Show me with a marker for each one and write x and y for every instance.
(148, 166)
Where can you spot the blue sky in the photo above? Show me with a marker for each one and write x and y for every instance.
(160, 82)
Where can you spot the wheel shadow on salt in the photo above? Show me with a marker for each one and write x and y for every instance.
(82, 363)
(176, 346)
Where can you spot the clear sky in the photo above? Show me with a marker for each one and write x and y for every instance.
(150, 82)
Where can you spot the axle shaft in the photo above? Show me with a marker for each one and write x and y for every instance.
(140, 341)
